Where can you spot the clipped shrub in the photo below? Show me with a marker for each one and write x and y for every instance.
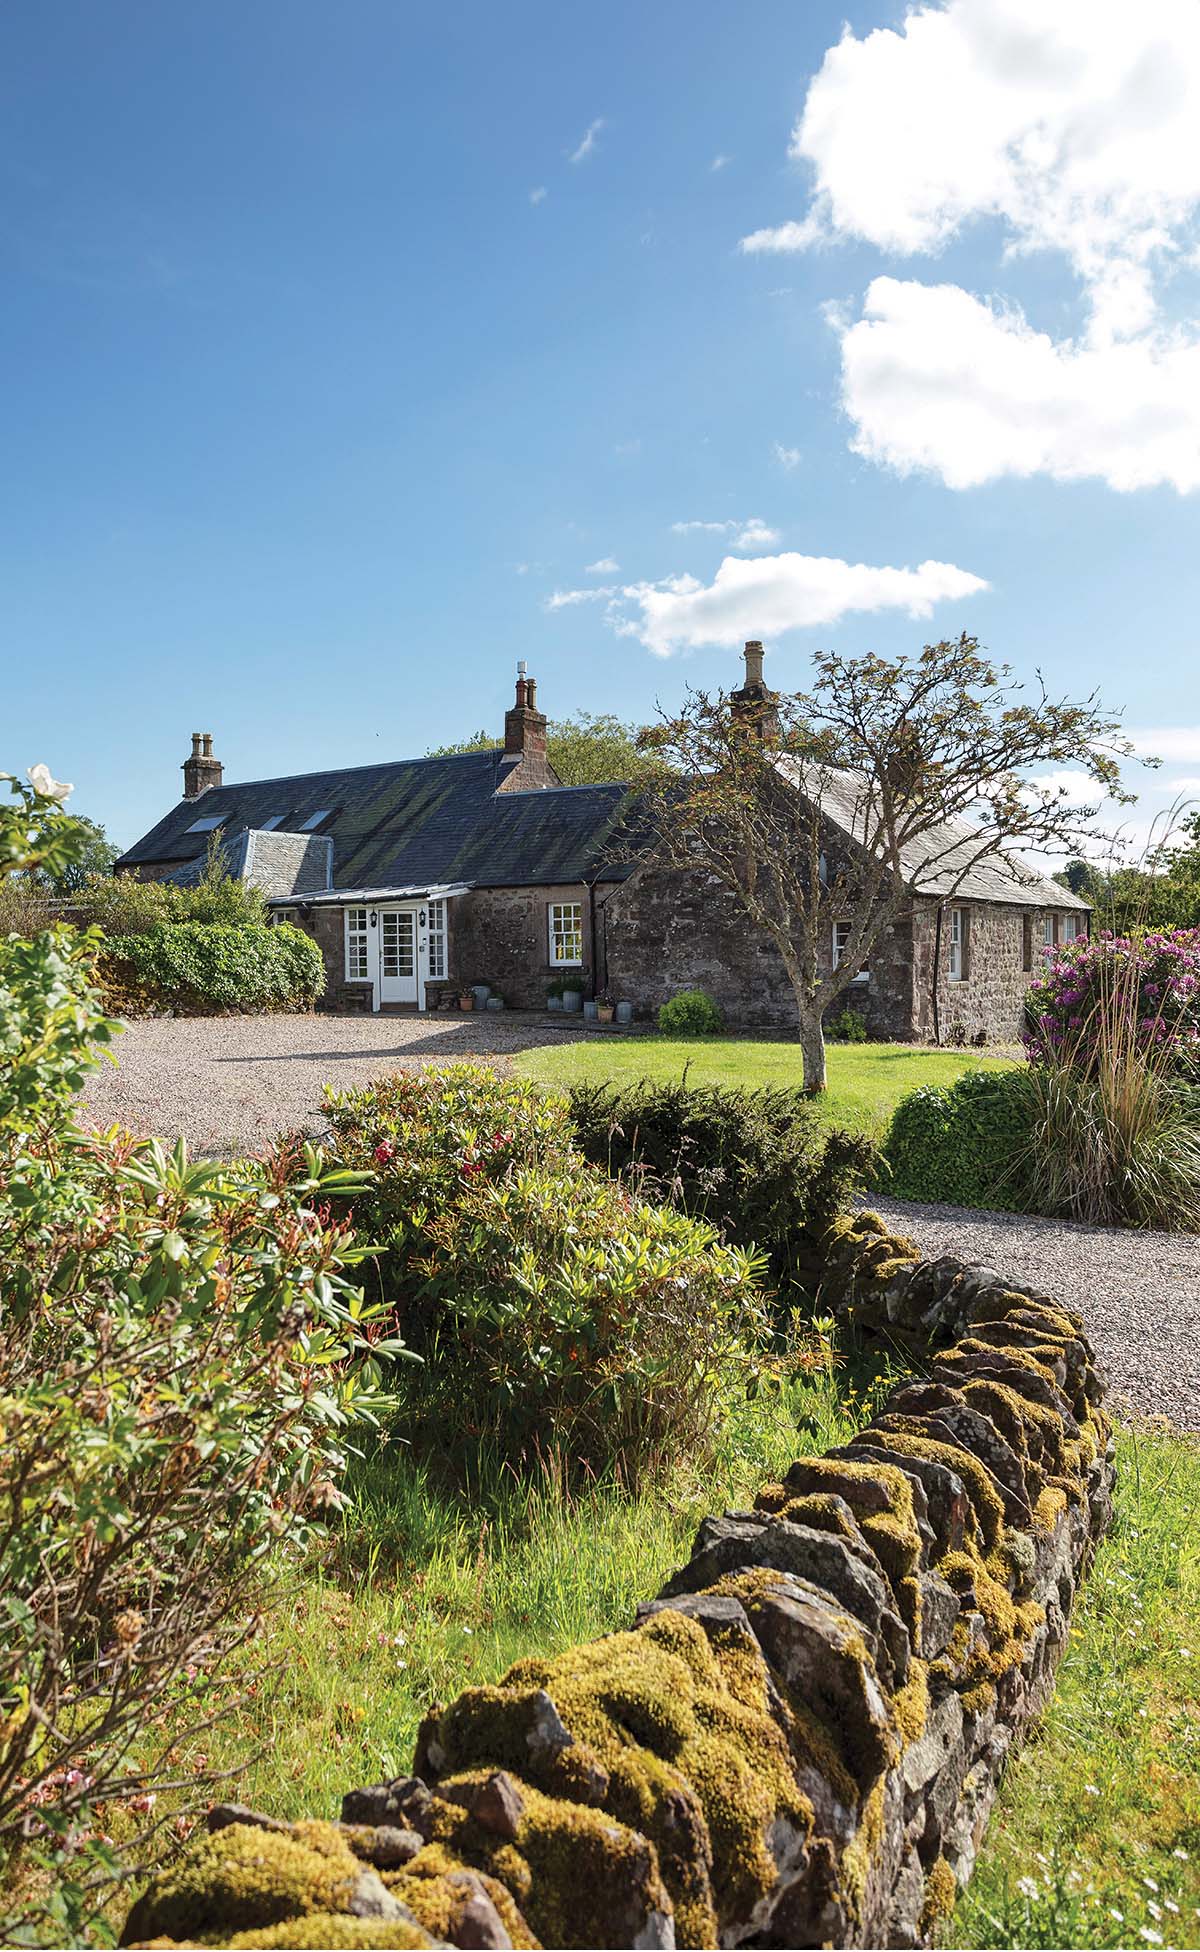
(555, 1310)
(690, 1014)
(964, 1144)
(761, 1166)
(198, 968)
(182, 1364)
(848, 1027)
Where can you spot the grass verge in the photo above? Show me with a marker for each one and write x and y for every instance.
(427, 1589)
(865, 1080)
(1095, 1837)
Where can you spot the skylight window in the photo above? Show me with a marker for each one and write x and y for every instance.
(314, 820)
(268, 826)
(207, 825)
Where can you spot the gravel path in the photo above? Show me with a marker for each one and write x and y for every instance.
(231, 1083)
(1139, 1293)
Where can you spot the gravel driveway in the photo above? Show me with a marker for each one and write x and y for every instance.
(230, 1084)
(1139, 1293)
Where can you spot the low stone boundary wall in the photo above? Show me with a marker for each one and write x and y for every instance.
(798, 1742)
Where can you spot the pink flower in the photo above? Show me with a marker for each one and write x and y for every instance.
(384, 1151)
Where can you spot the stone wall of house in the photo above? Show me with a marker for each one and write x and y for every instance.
(501, 936)
(798, 1742)
(665, 931)
(990, 999)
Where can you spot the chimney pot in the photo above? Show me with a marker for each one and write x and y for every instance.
(754, 661)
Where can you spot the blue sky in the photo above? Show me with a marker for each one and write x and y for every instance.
(329, 374)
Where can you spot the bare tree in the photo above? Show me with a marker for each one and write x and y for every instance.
(815, 807)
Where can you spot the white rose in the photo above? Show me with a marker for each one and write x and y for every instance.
(46, 786)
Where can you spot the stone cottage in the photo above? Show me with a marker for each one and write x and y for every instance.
(419, 877)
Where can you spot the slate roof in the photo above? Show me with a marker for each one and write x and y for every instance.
(934, 863)
(277, 862)
(412, 822)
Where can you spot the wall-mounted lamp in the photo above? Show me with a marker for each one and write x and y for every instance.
(374, 918)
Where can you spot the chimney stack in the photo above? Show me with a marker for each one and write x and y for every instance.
(525, 740)
(201, 771)
(753, 702)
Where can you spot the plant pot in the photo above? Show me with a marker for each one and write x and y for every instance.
(554, 1003)
(624, 1013)
(605, 1012)
(572, 1000)
(481, 993)
(466, 1001)
(495, 1003)
(589, 1009)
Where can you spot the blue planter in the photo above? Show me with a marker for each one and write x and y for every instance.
(571, 1002)
(589, 1008)
(481, 993)
(624, 1013)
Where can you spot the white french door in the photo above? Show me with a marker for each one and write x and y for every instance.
(398, 972)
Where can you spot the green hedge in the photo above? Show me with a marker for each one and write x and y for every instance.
(762, 1166)
(962, 1144)
(201, 967)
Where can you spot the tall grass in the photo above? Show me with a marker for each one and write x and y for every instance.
(1115, 1131)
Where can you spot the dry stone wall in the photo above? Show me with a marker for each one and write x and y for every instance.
(797, 1743)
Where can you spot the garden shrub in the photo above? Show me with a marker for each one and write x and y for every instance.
(761, 1166)
(182, 1363)
(196, 968)
(848, 1027)
(963, 1144)
(690, 1014)
(1094, 988)
(123, 905)
(555, 1310)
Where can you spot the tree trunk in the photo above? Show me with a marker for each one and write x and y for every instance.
(812, 1044)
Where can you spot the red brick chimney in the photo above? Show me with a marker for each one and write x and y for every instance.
(525, 741)
(201, 771)
(753, 702)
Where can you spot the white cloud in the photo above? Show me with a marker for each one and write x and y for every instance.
(586, 146)
(750, 534)
(720, 162)
(1073, 123)
(539, 195)
(1180, 744)
(767, 595)
(1076, 789)
(607, 566)
(786, 237)
(934, 378)
(1072, 126)
(1187, 787)
(566, 599)
(787, 457)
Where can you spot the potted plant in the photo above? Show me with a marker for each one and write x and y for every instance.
(573, 987)
(605, 1006)
(466, 1000)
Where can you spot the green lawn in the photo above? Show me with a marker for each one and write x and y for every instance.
(865, 1080)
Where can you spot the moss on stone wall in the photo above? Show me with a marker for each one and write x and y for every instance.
(759, 1757)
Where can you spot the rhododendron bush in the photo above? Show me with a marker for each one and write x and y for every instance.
(1143, 988)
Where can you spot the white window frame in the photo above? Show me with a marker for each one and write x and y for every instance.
(956, 961)
(1049, 932)
(841, 933)
(1069, 928)
(562, 933)
(358, 947)
(436, 940)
